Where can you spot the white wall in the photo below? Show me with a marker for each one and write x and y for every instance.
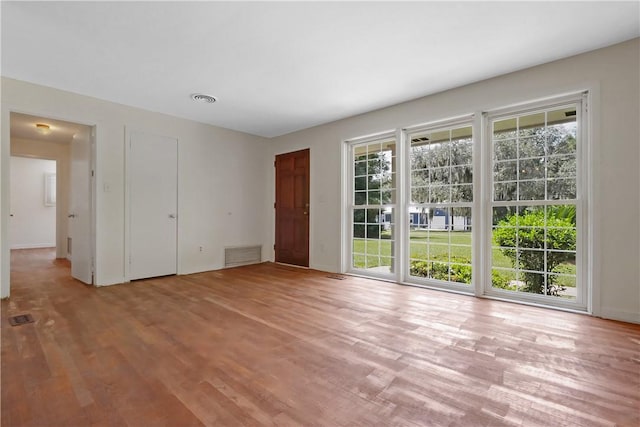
(612, 75)
(33, 225)
(220, 174)
(60, 153)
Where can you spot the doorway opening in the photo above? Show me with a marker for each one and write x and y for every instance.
(51, 214)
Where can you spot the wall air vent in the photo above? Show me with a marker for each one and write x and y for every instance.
(200, 97)
(242, 255)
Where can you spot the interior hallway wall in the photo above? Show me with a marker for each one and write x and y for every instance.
(33, 223)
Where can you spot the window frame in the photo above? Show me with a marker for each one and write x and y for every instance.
(582, 300)
(467, 120)
(348, 201)
(482, 154)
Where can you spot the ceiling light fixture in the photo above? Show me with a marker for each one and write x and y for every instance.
(200, 97)
(43, 129)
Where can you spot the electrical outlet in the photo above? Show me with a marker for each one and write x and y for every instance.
(201, 248)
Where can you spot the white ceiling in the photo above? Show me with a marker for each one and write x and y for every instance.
(277, 67)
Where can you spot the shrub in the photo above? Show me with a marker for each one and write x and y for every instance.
(520, 233)
(439, 270)
(502, 281)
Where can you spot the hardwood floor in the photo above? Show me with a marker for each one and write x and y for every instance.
(273, 345)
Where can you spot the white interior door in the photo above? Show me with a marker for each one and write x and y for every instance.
(153, 205)
(80, 206)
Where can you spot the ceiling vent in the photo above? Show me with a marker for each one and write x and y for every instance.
(200, 97)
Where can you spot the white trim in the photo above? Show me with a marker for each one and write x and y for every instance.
(403, 249)
(537, 105)
(478, 232)
(33, 245)
(592, 207)
(373, 137)
(345, 219)
(444, 124)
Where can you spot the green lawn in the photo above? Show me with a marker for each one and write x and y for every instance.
(433, 245)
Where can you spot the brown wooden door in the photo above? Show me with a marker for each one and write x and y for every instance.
(292, 208)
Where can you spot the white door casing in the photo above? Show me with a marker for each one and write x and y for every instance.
(153, 196)
(80, 206)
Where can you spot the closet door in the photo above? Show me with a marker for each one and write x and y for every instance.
(153, 205)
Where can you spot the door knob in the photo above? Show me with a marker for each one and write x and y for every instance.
(71, 216)
(172, 216)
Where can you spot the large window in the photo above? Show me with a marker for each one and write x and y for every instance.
(491, 203)
(535, 203)
(373, 197)
(439, 209)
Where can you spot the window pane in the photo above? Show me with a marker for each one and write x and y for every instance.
(420, 194)
(532, 146)
(461, 175)
(505, 191)
(561, 189)
(439, 194)
(562, 286)
(439, 176)
(374, 197)
(388, 197)
(505, 149)
(561, 166)
(462, 193)
(505, 129)
(531, 168)
(505, 171)
(440, 244)
(531, 190)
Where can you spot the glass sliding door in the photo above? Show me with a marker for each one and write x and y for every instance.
(439, 207)
(536, 205)
(372, 206)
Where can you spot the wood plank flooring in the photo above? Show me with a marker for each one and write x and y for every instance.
(272, 345)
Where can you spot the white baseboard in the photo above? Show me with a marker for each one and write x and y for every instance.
(33, 246)
(622, 315)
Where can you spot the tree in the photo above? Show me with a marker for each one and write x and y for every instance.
(373, 182)
(536, 155)
(441, 173)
